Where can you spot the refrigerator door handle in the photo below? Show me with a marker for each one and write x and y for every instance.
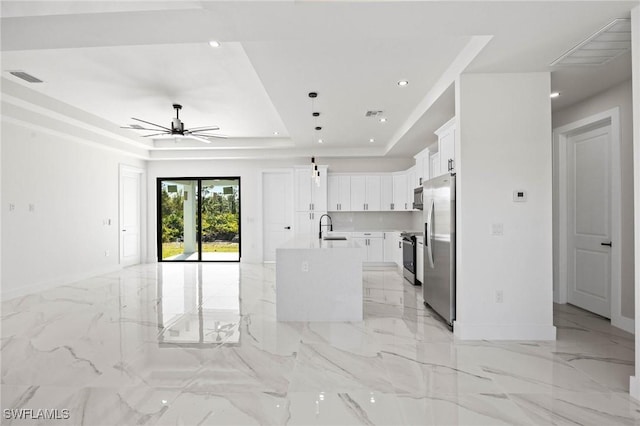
(428, 241)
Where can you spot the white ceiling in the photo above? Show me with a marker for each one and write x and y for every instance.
(118, 60)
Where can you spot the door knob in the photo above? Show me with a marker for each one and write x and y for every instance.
(606, 244)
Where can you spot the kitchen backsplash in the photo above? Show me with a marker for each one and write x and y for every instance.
(376, 221)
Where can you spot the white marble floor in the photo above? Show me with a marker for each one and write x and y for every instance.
(198, 344)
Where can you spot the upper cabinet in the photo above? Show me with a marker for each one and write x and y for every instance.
(446, 146)
(310, 193)
(339, 193)
(358, 198)
(386, 193)
(412, 183)
(423, 166)
(434, 161)
(400, 192)
(365, 193)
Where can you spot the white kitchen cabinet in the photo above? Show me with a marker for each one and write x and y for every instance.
(411, 185)
(358, 198)
(309, 194)
(423, 166)
(393, 247)
(386, 192)
(400, 184)
(365, 193)
(446, 146)
(339, 192)
(372, 193)
(375, 252)
(308, 223)
(372, 244)
(435, 165)
(420, 259)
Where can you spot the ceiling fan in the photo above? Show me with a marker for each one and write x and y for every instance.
(177, 129)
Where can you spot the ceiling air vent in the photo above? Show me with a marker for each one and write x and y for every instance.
(26, 77)
(373, 113)
(612, 40)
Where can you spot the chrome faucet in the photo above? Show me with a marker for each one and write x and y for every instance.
(330, 225)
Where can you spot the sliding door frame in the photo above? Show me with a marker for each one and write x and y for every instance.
(198, 181)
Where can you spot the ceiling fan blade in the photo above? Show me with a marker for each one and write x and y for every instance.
(153, 124)
(209, 136)
(155, 134)
(202, 129)
(138, 128)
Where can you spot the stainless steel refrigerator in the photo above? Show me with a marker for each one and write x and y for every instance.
(439, 284)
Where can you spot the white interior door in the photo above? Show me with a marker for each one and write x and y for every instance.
(130, 180)
(277, 204)
(589, 215)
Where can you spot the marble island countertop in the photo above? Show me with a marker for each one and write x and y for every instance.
(313, 242)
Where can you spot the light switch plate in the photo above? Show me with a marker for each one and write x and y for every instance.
(497, 229)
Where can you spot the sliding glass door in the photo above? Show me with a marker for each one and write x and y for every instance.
(199, 219)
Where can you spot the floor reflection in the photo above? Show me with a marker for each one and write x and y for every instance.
(199, 304)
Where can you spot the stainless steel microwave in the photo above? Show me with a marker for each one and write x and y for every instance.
(417, 198)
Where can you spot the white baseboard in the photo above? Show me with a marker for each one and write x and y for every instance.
(24, 290)
(634, 387)
(378, 265)
(504, 332)
(624, 323)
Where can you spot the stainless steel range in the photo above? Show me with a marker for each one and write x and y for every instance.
(409, 256)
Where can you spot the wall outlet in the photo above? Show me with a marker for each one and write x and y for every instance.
(499, 296)
(305, 266)
(32, 207)
(12, 207)
(497, 229)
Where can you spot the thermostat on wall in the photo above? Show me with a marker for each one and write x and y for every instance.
(519, 195)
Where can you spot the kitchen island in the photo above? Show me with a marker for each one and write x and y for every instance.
(319, 280)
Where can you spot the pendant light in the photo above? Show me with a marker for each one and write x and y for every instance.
(315, 173)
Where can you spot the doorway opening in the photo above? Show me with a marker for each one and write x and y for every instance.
(589, 206)
(199, 219)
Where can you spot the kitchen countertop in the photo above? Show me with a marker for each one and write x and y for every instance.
(313, 242)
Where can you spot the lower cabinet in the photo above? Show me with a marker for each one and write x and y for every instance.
(393, 247)
(420, 259)
(372, 244)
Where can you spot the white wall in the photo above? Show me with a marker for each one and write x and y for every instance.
(634, 384)
(73, 188)
(504, 145)
(250, 172)
(618, 96)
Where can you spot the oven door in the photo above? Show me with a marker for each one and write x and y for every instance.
(409, 259)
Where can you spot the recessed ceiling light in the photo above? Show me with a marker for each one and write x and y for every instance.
(554, 94)
(320, 141)
(383, 120)
(214, 43)
(403, 83)
(371, 140)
